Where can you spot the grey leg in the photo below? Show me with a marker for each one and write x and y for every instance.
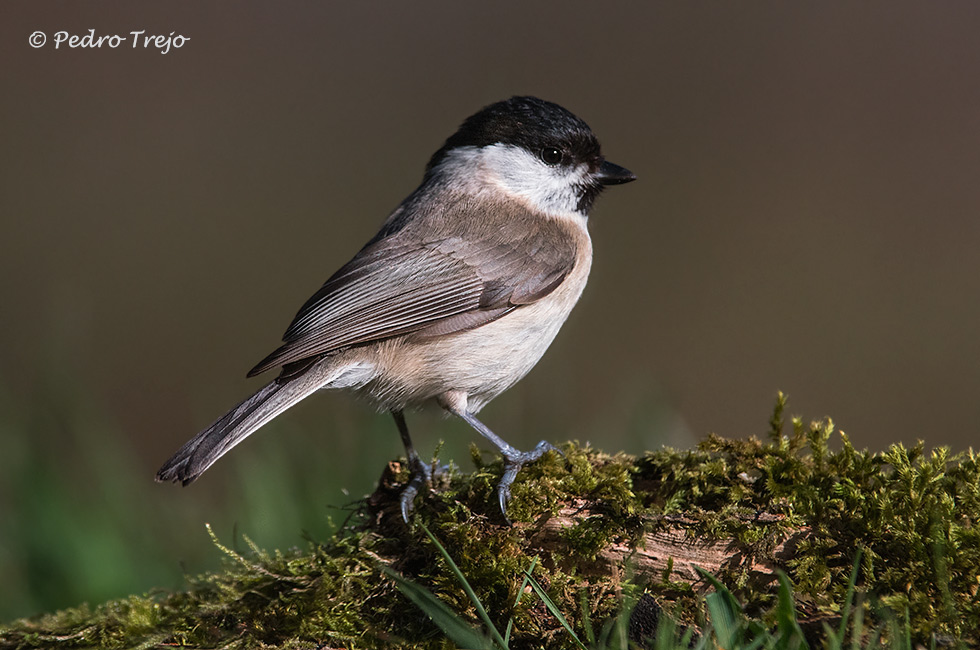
(421, 473)
(514, 459)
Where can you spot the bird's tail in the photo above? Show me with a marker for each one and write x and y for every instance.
(201, 451)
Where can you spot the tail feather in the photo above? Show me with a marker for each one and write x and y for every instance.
(201, 451)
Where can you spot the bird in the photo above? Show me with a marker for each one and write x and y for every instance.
(455, 299)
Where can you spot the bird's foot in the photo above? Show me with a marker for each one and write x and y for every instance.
(513, 462)
(422, 475)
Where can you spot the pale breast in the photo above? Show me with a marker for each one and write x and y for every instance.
(482, 362)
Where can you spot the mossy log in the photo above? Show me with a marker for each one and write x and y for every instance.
(671, 549)
(601, 533)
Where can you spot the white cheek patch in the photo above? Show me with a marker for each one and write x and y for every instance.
(520, 174)
(551, 189)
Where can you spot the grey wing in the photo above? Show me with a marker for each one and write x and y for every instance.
(439, 287)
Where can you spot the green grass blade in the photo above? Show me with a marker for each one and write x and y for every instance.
(727, 620)
(857, 630)
(453, 626)
(908, 630)
(553, 608)
(721, 590)
(849, 599)
(517, 601)
(724, 612)
(586, 617)
(666, 634)
(687, 640)
(481, 612)
(722, 619)
(833, 643)
(520, 592)
(790, 634)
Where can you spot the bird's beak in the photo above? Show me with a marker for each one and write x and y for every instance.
(610, 174)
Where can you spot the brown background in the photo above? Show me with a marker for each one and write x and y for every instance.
(805, 219)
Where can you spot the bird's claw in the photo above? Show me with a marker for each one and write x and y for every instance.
(512, 465)
(422, 474)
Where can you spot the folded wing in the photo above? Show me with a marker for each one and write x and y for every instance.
(399, 284)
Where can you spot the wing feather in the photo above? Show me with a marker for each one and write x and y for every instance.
(446, 282)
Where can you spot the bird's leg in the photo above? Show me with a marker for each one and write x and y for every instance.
(421, 473)
(514, 459)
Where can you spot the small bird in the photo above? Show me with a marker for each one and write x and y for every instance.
(457, 296)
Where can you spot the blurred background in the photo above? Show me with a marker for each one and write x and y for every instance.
(805, 220)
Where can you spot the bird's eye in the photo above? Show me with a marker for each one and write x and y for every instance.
(551, 155)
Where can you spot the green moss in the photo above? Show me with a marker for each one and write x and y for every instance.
(912, 512)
